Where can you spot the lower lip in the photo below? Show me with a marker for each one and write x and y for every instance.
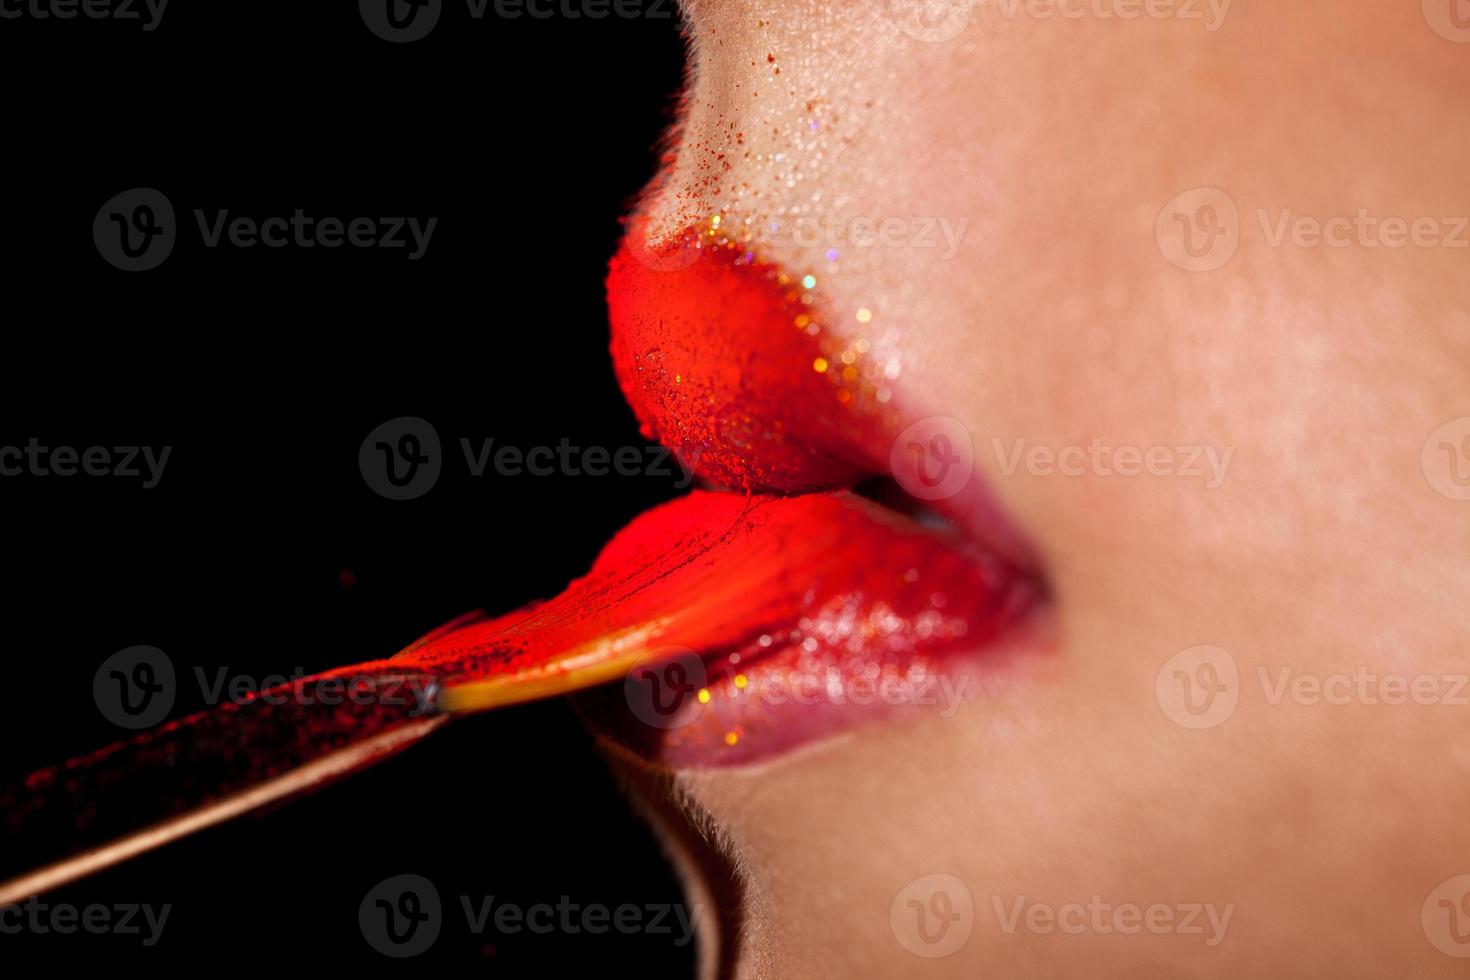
(897, 622)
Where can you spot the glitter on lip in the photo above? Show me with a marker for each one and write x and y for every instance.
(729, 325)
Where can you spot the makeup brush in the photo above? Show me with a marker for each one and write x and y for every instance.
(704, 575)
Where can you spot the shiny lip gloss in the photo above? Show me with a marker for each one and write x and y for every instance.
(811, 614)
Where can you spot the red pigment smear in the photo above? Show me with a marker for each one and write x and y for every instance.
(717, 353)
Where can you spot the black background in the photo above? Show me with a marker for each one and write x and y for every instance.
(262, 550)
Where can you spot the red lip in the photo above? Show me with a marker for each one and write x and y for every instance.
(726, 359)
(729, 360)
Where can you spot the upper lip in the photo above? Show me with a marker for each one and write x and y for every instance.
(738, 365)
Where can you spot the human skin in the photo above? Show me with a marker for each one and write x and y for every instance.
(1323, 823)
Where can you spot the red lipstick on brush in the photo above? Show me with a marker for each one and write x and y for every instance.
(722, 628)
